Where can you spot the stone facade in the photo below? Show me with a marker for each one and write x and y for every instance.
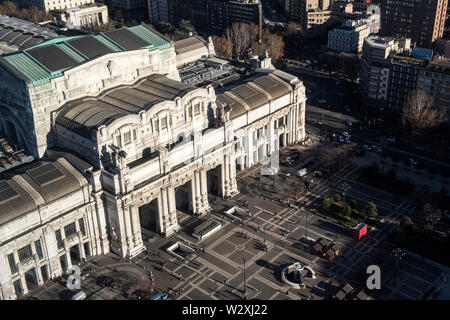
(86, 16)
(151, 146)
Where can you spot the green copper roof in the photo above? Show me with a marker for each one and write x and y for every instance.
(108, 42)
(50, 59)
(56, 40)
(75, 54)
(148, 35)
(29, 67)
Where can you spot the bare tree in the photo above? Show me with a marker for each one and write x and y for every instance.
(272, 42)
(118, 15)
(420, 112)
(240, 36)
(254, 32)
(292, 29)
(223, 45)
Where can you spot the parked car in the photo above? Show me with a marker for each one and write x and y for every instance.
(161, 296)
(412, 161)
(318, 173)
(366, 147)
(391, 139)
(302, 172)
(79, 296)
(138, 295)
(269, 171)
(341, 139)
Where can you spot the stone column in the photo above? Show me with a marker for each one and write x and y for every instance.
(81, 246)
(24, 284)
(172, 205)
(169, 211)
(165, 209)
(204, 187)
(135, 225)
(198, 193)
(128, 232)
(193, 194)
(161, 221)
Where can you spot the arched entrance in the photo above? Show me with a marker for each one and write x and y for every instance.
(214, 181)
(149, 219)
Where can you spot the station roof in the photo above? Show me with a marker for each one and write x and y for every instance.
(17, 34)
(189, 44)
(84, 115)
(24, 189)
(253, 94)
(50, 59)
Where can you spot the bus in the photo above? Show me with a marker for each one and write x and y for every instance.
(79, 296)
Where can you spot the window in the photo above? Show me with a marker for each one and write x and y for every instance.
(70, 230)
(127, 138)
(59, 241)
(164, 123)
(118, 141)
(82, 228)
(25, 254)
(197, 109)
(134, 135)
(190, 112)
(44, 272)
(38, 247)
(12, 263)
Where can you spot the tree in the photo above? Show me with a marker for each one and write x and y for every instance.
(34, 14)
(428, 229)
(406, 224)
(223, 45)
(292, 29)
(337, 197)
(353, 204)
(350, 65)
(420, 112)
(240, 36)
(186, 27)
(326, 203)
(347, 210)
(118, 15)
(371, 209)
(9, 8)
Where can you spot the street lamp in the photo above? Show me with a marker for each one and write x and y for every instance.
(245, 280)
(307, 214)
(398, 253)
(345, 187)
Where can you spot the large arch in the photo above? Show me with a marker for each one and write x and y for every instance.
(11, 129)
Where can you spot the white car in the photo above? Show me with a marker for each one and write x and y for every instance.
(348, 141)
(341, 139)
(319, 123)
(348, 122)
(346, 134)
(269, 171)
(366, 147)
(302, 172)
(412, 161)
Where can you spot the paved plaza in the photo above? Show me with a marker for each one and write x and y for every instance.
(277, 235)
